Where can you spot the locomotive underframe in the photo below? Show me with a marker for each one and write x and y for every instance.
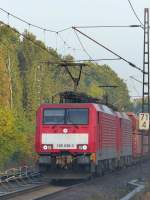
(81, 163)
(64, 160)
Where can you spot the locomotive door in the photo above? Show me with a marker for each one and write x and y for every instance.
(98, 131)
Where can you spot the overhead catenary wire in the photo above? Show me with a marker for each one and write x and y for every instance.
(64, 29)
(46, 50)
(56, 42)
(132, 77)
(67, 28)
(35, 43)
(31, 24)
(135, 89)
(26, 37)
(39, 27)
(142, 25)
(83, 46)
(139, 97)
(111, 26)
(26, 22)
(8, 19)
(66, 43)
(97, 60)
(57, 32)
(109, 50)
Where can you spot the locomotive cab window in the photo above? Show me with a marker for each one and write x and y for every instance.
(65, 116)
(54, 116)
(76, 116)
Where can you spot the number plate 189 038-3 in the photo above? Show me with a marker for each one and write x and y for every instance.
(64, 146)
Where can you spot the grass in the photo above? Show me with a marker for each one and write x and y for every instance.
(144, 195)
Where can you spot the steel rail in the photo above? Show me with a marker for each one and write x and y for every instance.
(54, 194)
(16, 180)
(22, 191)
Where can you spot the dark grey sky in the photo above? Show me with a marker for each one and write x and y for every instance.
(58, 14)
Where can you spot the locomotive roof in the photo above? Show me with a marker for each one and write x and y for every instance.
(104, 108)
(76, 97)
(122, 115)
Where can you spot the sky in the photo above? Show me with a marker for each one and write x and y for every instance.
(60, 14)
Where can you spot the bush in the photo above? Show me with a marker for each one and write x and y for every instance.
(16, 138)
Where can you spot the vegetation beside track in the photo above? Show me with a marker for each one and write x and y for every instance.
(16, 139)
(145, 194)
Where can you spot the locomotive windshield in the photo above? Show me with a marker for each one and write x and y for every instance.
(65, 116)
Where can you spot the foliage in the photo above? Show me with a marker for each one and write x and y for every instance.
(96, 76)
(14, 137)
(11, 87)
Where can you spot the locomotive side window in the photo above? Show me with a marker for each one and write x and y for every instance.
(65, 116)
(54, 116)
(76, 116)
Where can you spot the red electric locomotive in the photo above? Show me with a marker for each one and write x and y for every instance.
(88, 136)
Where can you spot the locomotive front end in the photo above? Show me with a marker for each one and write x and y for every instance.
(64, 136)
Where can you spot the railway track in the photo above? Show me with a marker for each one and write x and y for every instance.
(56, 193)
(24, 183)
(112, 185)
(36, 192)
(16, 181)
(39, 187)
(21, 191)
(41, 191)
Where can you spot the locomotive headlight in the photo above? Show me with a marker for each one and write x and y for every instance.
(84, 147)
(45, 147)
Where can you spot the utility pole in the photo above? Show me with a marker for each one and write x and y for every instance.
(146, 97)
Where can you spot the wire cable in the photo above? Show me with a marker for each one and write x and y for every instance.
(33, 25)
(26, 37)
(97, 60)
(135, 89)
(66, 43)
(49, 30)
(111, 26)
(142, 25)
(83, 46)
(132, 77)
(65, 29)
(106, 48)
(28, 23)
(35, 43)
